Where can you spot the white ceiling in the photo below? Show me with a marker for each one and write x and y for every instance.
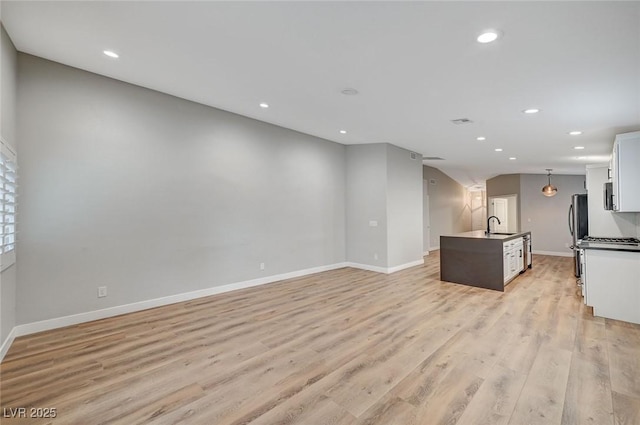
(416, 65)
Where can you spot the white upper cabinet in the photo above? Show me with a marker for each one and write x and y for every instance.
(625, 172)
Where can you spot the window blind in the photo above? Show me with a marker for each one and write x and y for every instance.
(8, 204)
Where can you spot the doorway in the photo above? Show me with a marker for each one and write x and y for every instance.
(504, 207)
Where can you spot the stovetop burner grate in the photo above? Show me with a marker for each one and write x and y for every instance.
(624, 241)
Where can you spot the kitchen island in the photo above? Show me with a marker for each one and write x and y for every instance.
(486, 261)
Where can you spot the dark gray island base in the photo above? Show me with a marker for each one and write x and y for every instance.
(475, 259)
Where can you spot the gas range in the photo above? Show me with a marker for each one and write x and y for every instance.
(618, 241)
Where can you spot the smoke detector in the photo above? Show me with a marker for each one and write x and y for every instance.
(349, 92)
(460, 121)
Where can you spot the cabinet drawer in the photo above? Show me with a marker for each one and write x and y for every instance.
(507, 246)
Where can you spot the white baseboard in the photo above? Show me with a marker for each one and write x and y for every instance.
(405, 266)
(59, 322)
(554, 253)
(376, 269)
(385, 270)
(74, 319)
(424, 254)
(434, 248)
(7, 343)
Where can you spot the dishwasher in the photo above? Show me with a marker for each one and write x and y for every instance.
(526, 247)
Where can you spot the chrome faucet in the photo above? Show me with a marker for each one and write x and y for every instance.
(488, 232)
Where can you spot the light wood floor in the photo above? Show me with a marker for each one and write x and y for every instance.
(342, 347)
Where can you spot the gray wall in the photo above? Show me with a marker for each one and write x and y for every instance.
(152, 195)
(546, 218)
(367, 201)
(8, 89)
(383, 185)
(514, 225)
(8, 131)
(449, 205)
(505, 184)
(404, 207)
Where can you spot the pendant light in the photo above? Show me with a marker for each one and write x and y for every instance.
(549, 189)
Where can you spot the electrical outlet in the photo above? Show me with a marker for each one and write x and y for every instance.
(102, 291)
(261, 266)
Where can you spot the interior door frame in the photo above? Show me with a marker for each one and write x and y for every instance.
(426, 219)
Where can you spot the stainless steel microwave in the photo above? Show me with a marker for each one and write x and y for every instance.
(608, 196)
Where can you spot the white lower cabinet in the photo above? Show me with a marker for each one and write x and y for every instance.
(512, 258)
(506, 256)
(612, 284)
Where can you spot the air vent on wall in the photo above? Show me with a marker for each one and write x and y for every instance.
(461, 121)
(432, 158)
(414, 155)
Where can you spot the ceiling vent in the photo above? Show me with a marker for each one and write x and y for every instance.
(432, 158)
(461, 121)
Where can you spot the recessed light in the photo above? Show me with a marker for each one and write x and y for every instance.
(578, 147)
(498, 150)
(531, 111)
(481, 138)
(111, 54)
(575, 133)
(343, 131)
(264, 105)
(512, 158)
(488, 36)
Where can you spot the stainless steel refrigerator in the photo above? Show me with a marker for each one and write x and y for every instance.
(578, 226)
